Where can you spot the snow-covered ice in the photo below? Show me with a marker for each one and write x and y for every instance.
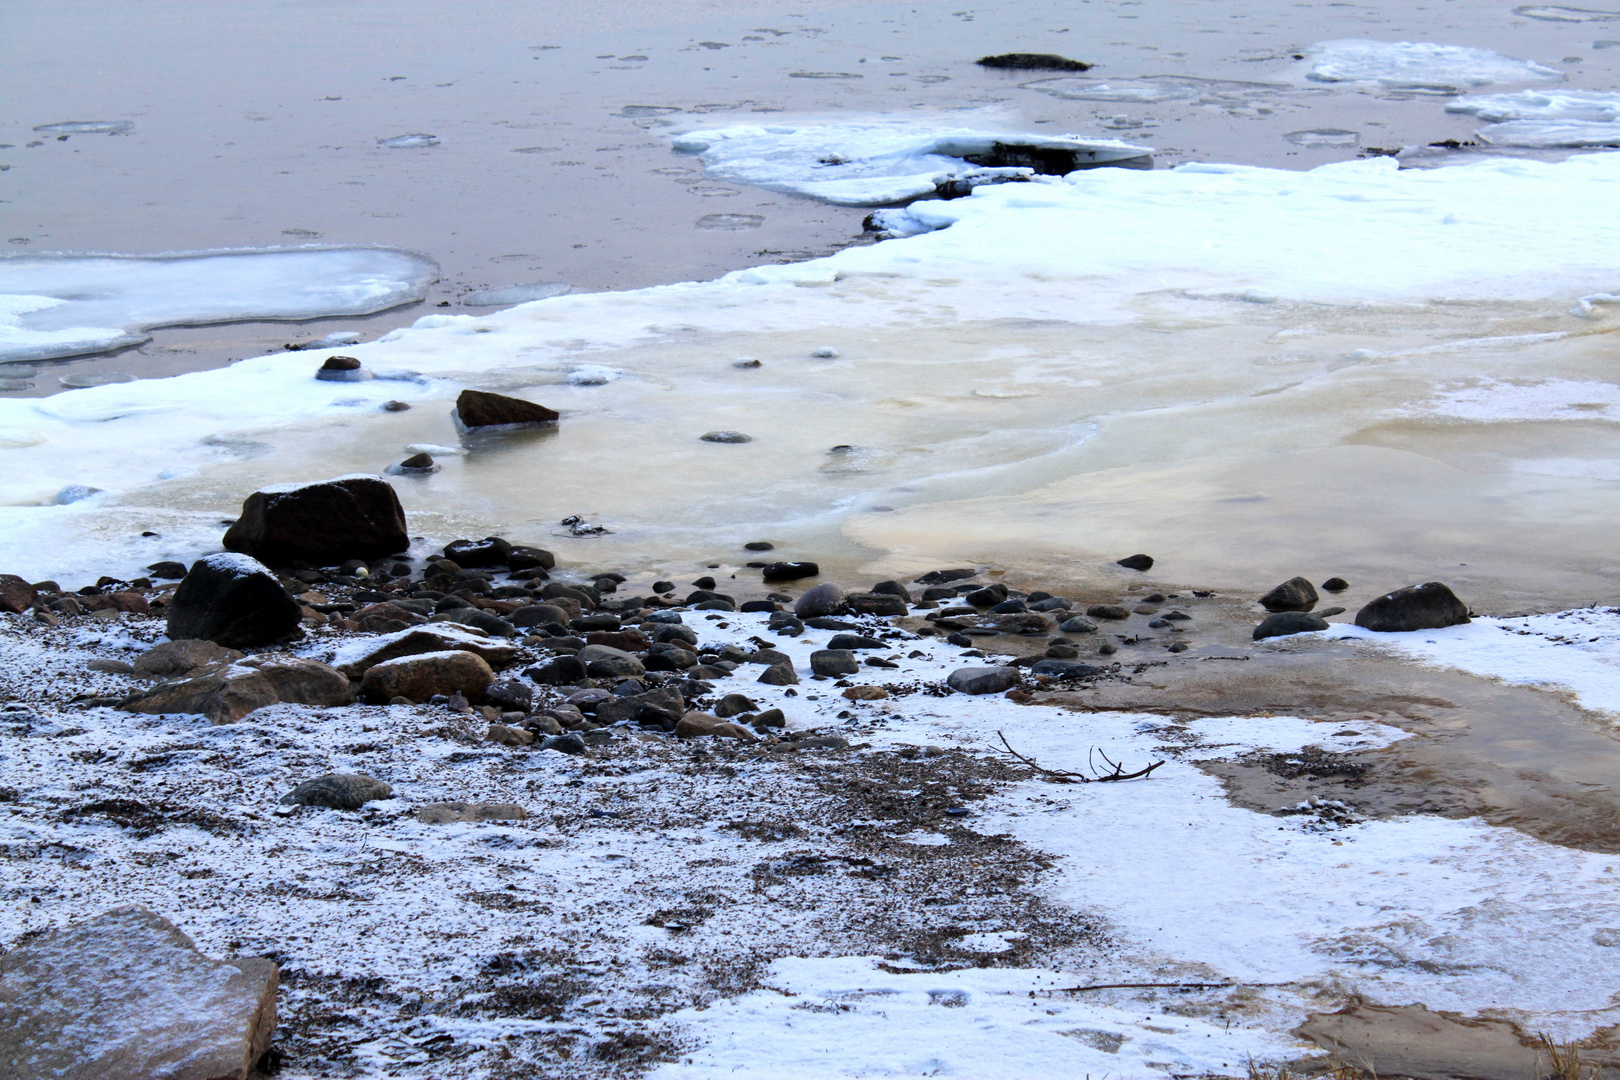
(87, 127)
(1540, 105)
(881, 162)
(67, 305)
(1577, 651)
(1415, 66)
(1547, 134)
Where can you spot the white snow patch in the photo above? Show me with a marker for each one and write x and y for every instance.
(1497, 401)
(1577, 651)
(1545, 134)
(68, 305)
(874, 162)
(1415, 65)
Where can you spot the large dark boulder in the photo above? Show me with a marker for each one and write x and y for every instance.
(481, 409)
(1417, 607)
(234, 601)
(1295, 594)
(324, 524)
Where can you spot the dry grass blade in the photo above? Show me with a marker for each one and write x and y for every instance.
(1565, 1061)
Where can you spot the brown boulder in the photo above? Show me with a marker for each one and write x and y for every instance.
(132, 602)
(228, 693)
(127, 994)
(326, 523)
(175, 658)
(424, 675)
(481, 409)
(16, 595)
(425, 639)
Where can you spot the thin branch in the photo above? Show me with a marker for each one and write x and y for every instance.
(1078, 778)
(1159, 986)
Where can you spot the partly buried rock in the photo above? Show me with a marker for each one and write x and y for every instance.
(445, 813)
(481, 409)
(1295, 594)
(362, 656)
(227, 693)
(419, 677)
(1108, 611)
(662, 707)
(325, 523)
(983, 680)
(127, 994)
(824, 599)
(338, 791)
(697, 724)
(734, 705)
(1284, 623)
(508, 736)
(16, 595)
(1057, 668)
(1429, 606)
(232, 600)
(1136, 562)
(779, 675)
(604, 662)
(875, 603)
(834, 662)
(490, 551)
(172, 659)
(342, 369)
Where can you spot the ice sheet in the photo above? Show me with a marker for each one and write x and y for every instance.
(1545, 134)
(1493, 401)
(1540, 105)
(878, 162)
(1577, 651)
(68, 305)
(1105, 250)
(1415, 66)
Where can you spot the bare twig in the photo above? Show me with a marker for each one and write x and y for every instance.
(1079, 778)
(1160, 986)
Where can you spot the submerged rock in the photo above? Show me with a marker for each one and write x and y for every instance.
(234, 601)
(325, 523)
(1295, 594)
(127, 994)
(725, 437)
(1429, 606)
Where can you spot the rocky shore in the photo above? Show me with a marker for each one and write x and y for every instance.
(224, 740)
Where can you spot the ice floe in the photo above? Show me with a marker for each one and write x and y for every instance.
(87, 127)
(1417, 66)
(409, 142)
(68, 305)
(1545, 119)
(885, 162)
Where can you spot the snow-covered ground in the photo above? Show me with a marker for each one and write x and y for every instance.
(725, 909)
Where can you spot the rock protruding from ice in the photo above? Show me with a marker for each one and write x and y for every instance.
(128, 994)
(324, 524)
(887, 162)
(1418, 66)
(515, 294)
(53, 306)
(480, 409)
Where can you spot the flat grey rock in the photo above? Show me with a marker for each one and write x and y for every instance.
(983, 680)
(338, 791)
(126, 995)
